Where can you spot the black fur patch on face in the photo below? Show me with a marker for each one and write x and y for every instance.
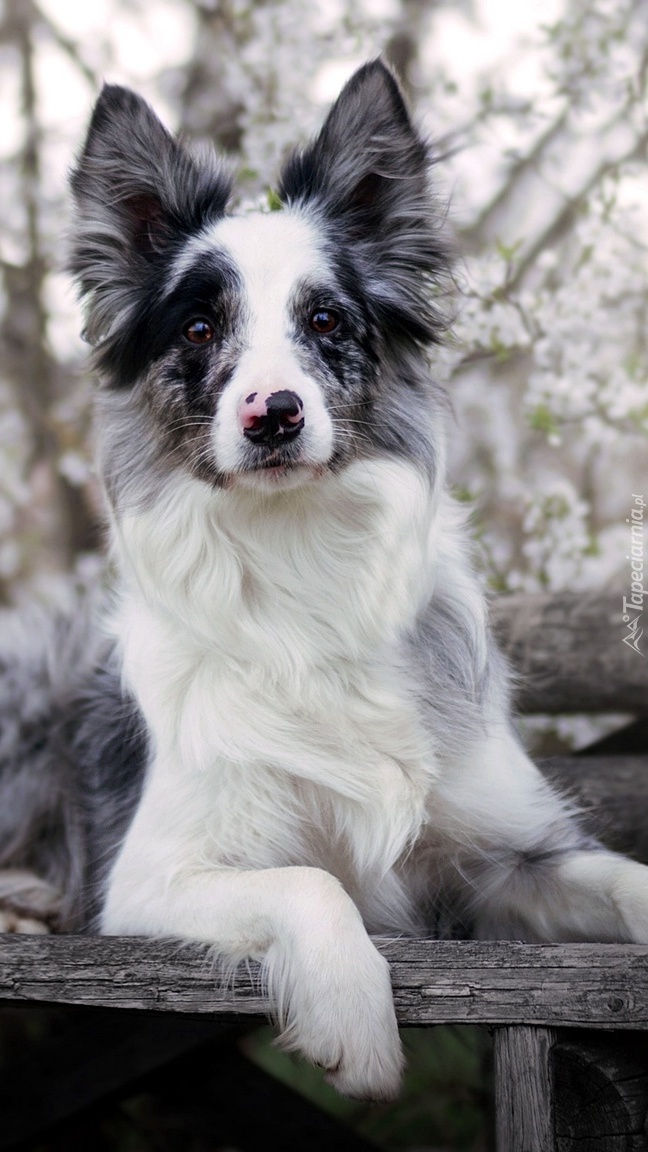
(209, 289)
(175, 383)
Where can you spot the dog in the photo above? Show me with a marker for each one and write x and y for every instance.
(289, 728)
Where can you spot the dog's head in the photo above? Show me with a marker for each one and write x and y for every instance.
(260, 349)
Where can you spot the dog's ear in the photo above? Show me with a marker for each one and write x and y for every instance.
(138, 194)
(367, 175)
(367, 159)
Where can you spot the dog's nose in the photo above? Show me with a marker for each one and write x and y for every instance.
(271, 417)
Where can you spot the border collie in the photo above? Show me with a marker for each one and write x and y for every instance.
(290, 728)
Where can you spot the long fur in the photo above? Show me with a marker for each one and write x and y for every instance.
(289, 727)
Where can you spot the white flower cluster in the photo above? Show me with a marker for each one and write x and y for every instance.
(549, 369)
(589, 369)
(594, 49)
(556, 538)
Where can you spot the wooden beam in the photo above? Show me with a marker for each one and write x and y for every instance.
(568, 650)
(612, 795)
(523, 1090)
(435, 982)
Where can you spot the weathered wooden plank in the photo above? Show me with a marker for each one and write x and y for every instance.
(154, 975)
(602, 986)
(523, 1090)
(435, 982)
(569, 652)
(612, 793)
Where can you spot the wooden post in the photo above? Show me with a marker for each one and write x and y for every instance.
(601, 1092)
(523, 1089)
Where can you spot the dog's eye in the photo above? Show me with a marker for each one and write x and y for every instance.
(323, 321)
(198, 331)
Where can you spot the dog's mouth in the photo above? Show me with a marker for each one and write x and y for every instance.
(279, 468)
(285, 456)
(278, 459)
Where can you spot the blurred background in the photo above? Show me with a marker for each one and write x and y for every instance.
(540, 113)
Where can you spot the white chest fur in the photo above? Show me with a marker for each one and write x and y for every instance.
(260, 636)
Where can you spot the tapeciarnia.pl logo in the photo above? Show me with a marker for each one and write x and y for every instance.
(633, 605)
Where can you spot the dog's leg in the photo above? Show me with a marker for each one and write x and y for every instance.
(328, 983)
(523, 865)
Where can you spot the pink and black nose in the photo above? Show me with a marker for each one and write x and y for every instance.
(271, 418)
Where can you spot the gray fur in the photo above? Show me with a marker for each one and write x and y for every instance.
(72, 755)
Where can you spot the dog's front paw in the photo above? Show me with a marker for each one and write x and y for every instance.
(341, 1016)
(372, 1061)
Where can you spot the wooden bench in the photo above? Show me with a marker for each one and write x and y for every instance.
(571, 1065)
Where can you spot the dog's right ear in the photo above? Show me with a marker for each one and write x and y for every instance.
(139, 193)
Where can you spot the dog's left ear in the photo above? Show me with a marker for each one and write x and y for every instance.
(366, 174)
(368, 161)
